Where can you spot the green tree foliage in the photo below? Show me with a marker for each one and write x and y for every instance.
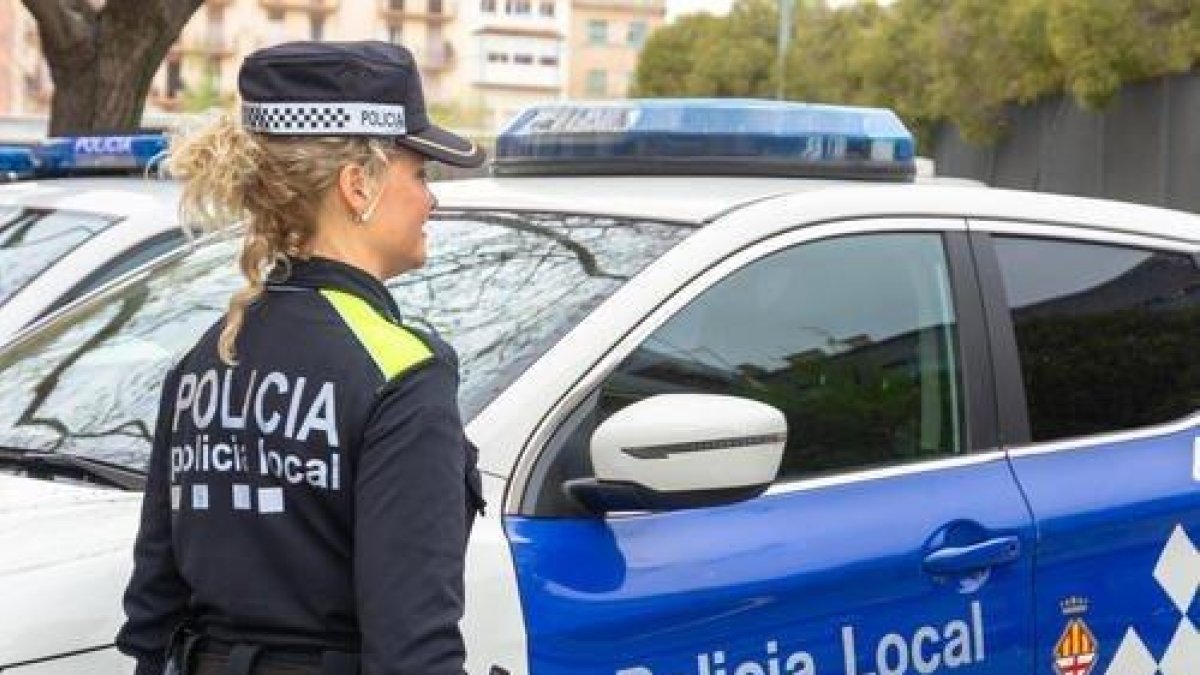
(961, 61)
(1105, 44)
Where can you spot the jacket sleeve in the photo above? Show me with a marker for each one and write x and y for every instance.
(156, 598)
(410, 531)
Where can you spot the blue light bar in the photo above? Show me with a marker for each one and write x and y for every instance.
(99, 154)
(706, 136)
(16, 163)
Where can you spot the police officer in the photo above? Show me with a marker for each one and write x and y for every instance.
(310, 489)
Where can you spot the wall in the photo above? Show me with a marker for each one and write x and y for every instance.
(1144, 147)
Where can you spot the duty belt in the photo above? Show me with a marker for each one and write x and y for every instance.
(186, 644)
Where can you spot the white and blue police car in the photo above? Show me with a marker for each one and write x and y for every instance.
(76, 213)
(750, 401)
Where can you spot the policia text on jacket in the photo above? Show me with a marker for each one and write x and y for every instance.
(280, 410)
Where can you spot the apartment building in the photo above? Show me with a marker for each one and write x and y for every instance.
(514, 54)
(202, 67)
(606, 39)
(8, 69)
(24, 77)
(481, 60)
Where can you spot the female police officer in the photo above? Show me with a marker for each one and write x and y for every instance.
(310, 488)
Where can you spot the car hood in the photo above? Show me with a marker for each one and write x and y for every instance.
(65, 557)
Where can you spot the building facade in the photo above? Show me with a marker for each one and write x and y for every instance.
(481, 60)
(24, 77)
(606, 40)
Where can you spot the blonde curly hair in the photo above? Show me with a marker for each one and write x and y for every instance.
(274, 185)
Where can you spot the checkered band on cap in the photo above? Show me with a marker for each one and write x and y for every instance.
(356, 119)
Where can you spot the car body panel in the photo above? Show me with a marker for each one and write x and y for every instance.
(62, 541)
(821, 578)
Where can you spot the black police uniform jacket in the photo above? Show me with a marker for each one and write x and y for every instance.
(316, 496)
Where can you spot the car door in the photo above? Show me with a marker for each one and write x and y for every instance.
(894, 539)
(1098, 336)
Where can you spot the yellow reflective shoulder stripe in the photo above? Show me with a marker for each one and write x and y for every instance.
(393, 348)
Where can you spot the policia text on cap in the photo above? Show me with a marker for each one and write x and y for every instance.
(310, 488)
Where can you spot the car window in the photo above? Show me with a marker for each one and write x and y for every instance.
(33, 239)
(500, 287)
(854, 339)
(1107, 335)
(140, 254)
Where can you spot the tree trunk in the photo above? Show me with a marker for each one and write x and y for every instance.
(103, 61)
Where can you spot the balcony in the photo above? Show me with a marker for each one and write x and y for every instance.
(312, 6)
(432, 11)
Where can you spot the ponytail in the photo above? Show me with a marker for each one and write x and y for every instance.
(274, 185)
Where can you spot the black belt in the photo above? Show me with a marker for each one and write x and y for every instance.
(242, 657)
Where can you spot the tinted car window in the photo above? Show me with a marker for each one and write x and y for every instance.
(33, 239)
(1107, 335)
(500, 287)
(853, 339)
(139, 255)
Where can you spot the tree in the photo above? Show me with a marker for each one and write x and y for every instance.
(932, 61)
(103, 55)
(1104, 45)
(668, 58)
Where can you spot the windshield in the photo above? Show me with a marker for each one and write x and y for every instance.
(33, 239)
(500, 287)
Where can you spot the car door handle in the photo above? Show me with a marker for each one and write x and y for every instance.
(954, 560)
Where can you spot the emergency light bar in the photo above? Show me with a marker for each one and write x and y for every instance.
(16, 163)
(84, 155)
(706, 136)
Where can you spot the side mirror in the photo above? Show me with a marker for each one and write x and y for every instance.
(676, 451)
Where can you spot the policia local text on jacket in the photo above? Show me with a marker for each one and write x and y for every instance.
(315, 497)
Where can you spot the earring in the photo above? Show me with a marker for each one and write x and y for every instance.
(362, 218)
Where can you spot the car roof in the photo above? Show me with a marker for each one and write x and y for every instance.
(684, 199)
(702, 199)
(119, 197)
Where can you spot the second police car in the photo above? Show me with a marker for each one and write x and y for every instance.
(749, 402)
(75, 214)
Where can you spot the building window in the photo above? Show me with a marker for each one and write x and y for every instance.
(548, 61)
(275, 15)
(396, 5)
(597, 82)
(317, 30)
(497, 57)
(518, 7)
(546, 7)
(523, 59)
(636, 37)
(435, 6)
(488, 6)
(597, 32)
(174, 78)
(395, 35)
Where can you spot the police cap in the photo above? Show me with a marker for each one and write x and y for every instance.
(365, 88)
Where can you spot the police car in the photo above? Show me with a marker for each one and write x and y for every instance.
(750, 401)
(79, 215)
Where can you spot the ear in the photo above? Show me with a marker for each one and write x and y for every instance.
(352, 187)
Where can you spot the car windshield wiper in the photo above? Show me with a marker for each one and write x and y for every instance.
(47, 465)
